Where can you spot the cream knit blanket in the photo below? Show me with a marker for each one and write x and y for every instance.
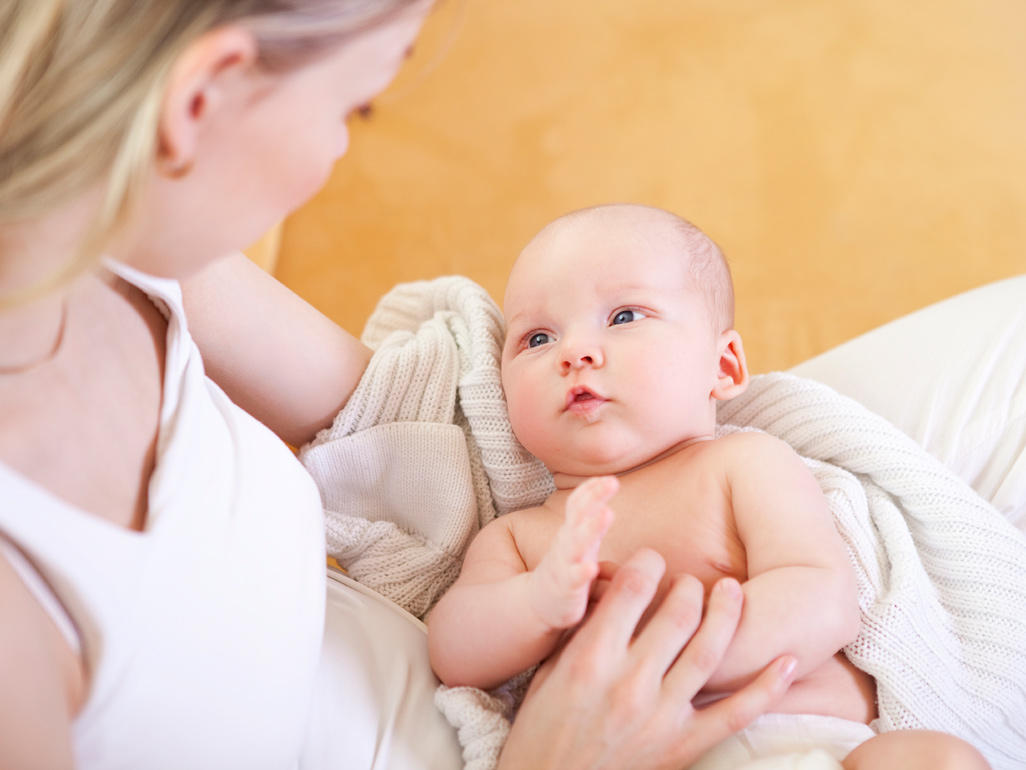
(423, 455)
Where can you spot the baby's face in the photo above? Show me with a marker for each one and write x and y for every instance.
(611, 355)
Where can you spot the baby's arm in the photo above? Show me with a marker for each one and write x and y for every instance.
(800, 595)
(499, 619)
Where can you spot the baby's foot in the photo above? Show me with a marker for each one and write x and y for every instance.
(562, 580)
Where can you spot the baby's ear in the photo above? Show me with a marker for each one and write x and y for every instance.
(732, 376)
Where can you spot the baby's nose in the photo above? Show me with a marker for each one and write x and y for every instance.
(580, 358)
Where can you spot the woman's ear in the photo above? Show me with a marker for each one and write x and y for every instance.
(732, 376)
(197, 88)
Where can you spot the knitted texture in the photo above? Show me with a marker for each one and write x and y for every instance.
(402, 497)
(423, 455)
(941, 574)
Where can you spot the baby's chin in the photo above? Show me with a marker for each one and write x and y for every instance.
(606, 463)
(581, 469)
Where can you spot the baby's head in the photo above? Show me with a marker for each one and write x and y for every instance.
(619, 339)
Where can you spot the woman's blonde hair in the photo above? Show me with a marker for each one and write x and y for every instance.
(81, 84)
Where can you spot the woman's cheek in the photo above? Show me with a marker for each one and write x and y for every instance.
(310, 168)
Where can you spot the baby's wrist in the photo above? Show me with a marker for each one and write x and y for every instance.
(544, 606)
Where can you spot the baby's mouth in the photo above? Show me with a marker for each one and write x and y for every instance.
(583, 400)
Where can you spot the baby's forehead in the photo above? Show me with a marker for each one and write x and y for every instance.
(623, 245)
(622, 220)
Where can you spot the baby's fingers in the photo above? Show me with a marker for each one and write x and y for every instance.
(606, 570)
(588, 518)
(593, 493)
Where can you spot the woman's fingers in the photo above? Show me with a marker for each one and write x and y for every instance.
(728, 715)
(670, 628)
(704, 652)
(603, 699)
(612, 623)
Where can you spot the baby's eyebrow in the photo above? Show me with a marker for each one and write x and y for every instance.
(515, 318)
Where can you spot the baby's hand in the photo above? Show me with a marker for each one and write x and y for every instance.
(562, 580)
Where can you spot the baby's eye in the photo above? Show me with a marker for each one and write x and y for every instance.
(538, 338)
(626, 316)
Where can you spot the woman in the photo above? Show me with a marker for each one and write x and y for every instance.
(161, 554)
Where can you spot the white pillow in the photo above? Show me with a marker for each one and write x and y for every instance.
(952, 376)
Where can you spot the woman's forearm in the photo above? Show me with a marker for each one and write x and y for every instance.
(275, 355)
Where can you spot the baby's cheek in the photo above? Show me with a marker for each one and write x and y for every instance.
(518, 420)
(528, 426)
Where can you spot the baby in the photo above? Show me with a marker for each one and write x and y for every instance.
(620, 343)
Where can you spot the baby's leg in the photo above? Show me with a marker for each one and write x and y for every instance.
(915, 750)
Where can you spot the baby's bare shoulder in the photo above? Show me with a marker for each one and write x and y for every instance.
(503, 541)
(747, 445)
(531, 530)
(754, 454)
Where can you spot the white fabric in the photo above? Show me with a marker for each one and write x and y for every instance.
(787, 742)
(953, 377)
(422, 455)
(43, 594)
(373, 695)
(918, 554)
(941, 574)
(201, 633)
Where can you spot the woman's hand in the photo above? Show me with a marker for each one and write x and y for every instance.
(612, 699)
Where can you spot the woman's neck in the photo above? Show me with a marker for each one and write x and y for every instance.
(33, 314)
(31, 333)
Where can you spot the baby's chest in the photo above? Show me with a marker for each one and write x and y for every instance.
(690, 525)
(687, 518)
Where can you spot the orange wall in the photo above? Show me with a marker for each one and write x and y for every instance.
(856, 159)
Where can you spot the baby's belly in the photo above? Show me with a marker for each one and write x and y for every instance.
(836, 689)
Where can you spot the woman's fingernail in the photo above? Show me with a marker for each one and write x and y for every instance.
(787, 665)
(729, 587)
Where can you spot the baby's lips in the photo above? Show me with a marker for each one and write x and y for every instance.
(580, 393)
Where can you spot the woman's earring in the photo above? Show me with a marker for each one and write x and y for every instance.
(180, 169)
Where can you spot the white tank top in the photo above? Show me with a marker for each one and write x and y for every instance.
(202, 634)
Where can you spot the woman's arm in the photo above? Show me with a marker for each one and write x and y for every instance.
(616, 698)
(275, 355)
(35, 719)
